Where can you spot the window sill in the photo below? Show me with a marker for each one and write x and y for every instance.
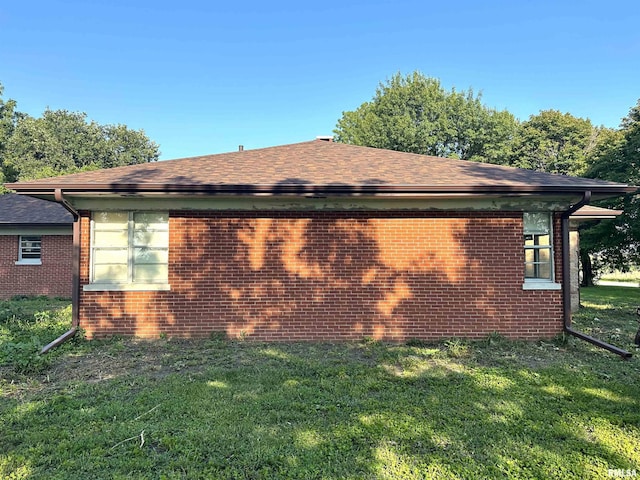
(541, 285)
(126, 287)
(29, 262)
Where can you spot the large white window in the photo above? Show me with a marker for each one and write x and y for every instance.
(130, 249)
(30, 250)
(538, 250)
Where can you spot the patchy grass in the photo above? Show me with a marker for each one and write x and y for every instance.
(221, 409)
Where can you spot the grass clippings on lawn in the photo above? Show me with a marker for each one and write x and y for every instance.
(221, 409)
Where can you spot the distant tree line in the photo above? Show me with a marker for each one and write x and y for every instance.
(414, 113)
(61, 142)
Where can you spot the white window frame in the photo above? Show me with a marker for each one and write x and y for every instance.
(541, 283)
(130, 283)
(22, 247)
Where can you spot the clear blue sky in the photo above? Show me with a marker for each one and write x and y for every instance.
(205, 76)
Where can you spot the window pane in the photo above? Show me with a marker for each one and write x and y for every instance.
(537, 263)
(151, 221)
(150, 273)
(148, 255)
(529, 255)
(31, 239)
(542, 239)
(544, 271)
(110, 220)
(538, 222)
(544, 255)
(529, 271)
(110, 273)
(537, 239)
(110, 239)
(151, 239)
(108, 256)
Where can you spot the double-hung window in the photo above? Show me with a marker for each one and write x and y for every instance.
(538, 249)
(30, 250)
(129, 250)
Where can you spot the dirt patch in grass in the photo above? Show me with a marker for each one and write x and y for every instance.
(106, 360)
(111, 359)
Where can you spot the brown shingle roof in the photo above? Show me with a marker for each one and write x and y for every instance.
(314, 166)
(23, 210)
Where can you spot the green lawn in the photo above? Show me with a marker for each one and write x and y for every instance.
(609, 313)
(220, 409)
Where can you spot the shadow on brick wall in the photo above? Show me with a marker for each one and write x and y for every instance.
(339, 275)
(326, 275)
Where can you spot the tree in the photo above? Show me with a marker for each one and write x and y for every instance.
(62, 142)
(416, 114)
(8, 119)
(615, 244)
(554, 142)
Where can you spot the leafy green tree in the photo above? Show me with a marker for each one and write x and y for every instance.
(34, 151)
(554, 142)
(62, 142)
(416, 114)
(8, 119)
(124, 146)
(615, 244)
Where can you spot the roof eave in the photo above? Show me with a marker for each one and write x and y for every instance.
(4, 225)
(316, 189)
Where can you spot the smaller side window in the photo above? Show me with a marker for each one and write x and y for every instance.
(30, 250)
(538, 248)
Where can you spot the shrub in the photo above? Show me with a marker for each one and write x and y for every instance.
(24, 357)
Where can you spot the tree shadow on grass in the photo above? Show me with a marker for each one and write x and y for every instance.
(446, 419)
(329, 411)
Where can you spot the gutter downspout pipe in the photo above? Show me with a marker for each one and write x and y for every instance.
(75, 294)
(566, 282)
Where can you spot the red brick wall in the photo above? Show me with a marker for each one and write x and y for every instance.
(320, 275)
(52, 278)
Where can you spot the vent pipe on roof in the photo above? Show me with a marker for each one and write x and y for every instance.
(241, 148)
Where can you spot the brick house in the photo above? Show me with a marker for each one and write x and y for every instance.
(35, 247)
(321, 241)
